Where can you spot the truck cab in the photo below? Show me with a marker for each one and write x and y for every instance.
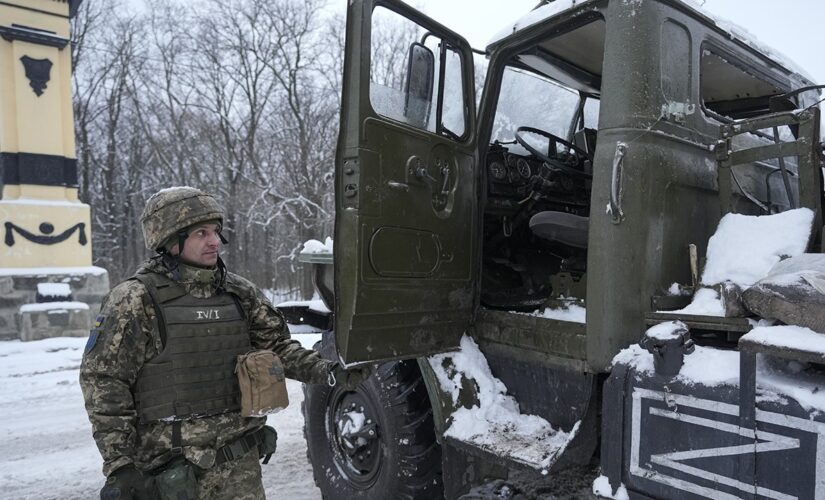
(552, 217)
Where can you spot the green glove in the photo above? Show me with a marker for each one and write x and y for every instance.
(126, 483)
(349, 378)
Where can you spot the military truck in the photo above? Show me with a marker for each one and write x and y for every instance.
(610, 138)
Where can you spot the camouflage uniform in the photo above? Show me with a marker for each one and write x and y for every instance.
(127, 336)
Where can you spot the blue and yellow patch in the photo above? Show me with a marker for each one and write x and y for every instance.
(95, 333)
(90, 344)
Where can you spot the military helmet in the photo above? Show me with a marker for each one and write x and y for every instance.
(174, 209)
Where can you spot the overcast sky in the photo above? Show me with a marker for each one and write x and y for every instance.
(793, 27)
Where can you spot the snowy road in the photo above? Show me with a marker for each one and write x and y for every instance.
(46, 446)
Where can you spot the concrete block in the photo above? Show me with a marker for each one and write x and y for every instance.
(54, 319)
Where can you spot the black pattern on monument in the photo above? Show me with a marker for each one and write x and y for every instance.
(38, 72)
(45, 239)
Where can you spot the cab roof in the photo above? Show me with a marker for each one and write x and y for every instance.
(731, 30)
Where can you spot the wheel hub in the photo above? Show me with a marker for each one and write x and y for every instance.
(355, 436)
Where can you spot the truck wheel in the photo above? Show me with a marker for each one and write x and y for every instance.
(376, 442)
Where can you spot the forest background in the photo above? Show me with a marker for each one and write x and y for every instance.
(240, 98)
(237, 97)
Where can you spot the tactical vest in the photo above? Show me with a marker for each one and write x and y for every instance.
(194, 375)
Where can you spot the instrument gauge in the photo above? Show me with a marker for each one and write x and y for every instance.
(498, 171)
(513, 176)
(523, 168)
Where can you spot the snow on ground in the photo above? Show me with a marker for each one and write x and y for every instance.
(46, 445)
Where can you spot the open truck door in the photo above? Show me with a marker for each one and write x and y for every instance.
(407, 187)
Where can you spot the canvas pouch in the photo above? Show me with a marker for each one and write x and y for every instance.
(176, 481)
(263, 383)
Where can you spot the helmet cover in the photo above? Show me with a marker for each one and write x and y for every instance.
(173, 209)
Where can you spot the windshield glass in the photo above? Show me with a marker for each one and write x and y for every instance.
(529, 100)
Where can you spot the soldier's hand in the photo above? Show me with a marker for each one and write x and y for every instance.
(350, 378)
(126, 483)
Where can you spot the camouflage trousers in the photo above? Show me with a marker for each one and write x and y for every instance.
(238, 479)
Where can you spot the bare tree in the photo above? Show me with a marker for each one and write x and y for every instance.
(238, 97)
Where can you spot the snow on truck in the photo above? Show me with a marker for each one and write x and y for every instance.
(610, 263)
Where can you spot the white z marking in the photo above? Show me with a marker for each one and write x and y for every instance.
(767, 441)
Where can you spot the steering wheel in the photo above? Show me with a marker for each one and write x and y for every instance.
(579, 153)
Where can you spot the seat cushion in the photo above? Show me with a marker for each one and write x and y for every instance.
(561, 227)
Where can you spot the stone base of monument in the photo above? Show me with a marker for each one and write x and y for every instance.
(25, 306)
(54, 319)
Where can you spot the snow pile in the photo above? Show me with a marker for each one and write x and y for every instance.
(788, 336)
(54, 306)
(706, 302)
(48, 271)
(54, 290)
(569, 312)
(745, 248)
(315, 246)
(24, 200)
(495, 423)
(312, 305)
(351, 425)
(535, 16)
(776, 379)
(601, 487)
(668, 330)
(706, 366)
(808, 268)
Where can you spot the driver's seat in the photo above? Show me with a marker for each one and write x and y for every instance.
(561, 227)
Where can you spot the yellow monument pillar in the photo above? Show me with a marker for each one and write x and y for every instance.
(46, 233)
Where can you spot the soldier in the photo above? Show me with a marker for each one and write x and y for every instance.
(158, 370)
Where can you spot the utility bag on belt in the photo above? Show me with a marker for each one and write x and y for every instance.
(176, 481)
(263, 383)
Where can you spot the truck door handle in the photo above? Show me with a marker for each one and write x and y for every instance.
(616, 184)
(424, 175)
(445, 185)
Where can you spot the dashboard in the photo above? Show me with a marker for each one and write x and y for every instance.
(510, 174)
(515, 176)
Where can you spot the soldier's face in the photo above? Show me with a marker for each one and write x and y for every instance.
(202, 246)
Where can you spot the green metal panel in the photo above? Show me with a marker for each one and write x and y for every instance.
(405, 245)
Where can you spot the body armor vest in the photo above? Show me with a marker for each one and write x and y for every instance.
(194, 375)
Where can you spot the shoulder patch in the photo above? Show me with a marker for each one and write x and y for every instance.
(90, 344)
(99, 321)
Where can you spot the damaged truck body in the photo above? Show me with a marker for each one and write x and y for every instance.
(519, 246)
